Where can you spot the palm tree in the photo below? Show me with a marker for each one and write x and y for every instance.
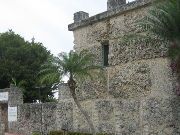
(161, 24)
(75, 66)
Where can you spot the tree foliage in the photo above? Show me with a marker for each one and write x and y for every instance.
(161, 24)
(75, 66)
(20, 63)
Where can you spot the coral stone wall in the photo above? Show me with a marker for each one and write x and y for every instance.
(138, 97)
(30, 117)
(141, 101)
(36, 118)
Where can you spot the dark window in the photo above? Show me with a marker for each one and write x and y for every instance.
(105, 52)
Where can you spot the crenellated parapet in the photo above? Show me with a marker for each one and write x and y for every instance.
(116, 7)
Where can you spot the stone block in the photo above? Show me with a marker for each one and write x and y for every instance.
(36, 117)
(15, 96)
(64, 115)
(105, 114)
(127, 117)
(130, 80)
(163, 81)
(49, 117)
(122, 53)
(105, 110)
(112, 4)
(92, 89)
(64, 92)
(105, 127)
(160, 116)
(79, 16)
(80, 123)
(25, 119)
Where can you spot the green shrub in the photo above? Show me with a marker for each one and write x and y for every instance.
(56, 133)
(74, 133)
(36, 133)
(104, 134)
(77, 133)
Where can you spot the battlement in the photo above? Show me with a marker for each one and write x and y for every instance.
(112, 4)
(114, 7)
(78, 16)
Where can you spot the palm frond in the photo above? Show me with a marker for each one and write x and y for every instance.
(162, 22)
(161, 25)
(79, 65)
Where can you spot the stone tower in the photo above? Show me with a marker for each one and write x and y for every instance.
(111, 4)
(139, 96)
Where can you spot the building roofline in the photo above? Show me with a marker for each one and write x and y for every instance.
(108, 14)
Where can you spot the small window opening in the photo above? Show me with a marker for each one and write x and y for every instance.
(105, 53)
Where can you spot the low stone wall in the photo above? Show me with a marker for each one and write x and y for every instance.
(153, 115)
(30, 117)
(36, 118)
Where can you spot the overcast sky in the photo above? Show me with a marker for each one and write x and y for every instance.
(46, 20)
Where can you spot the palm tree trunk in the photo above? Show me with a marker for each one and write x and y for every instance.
(175, 62)
(72, 86)
(85, 115)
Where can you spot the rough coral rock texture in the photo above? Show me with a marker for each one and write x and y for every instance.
(104, 110)
(80, 123)
(148, 104)
(15, 98)
(139, 91)
(127, 120)
(130, 80)
(123, 53)
(64, 115)
(138, 95)
(36, 118)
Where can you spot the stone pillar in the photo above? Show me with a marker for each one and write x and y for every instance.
(15, 99)
(112, 4)
(81, 15)
(2, 128)
(64, 112)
